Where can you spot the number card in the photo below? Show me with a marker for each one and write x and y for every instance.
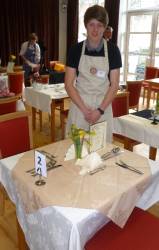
(98, 141)
(40, 164)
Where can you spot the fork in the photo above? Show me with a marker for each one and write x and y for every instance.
(110, 154)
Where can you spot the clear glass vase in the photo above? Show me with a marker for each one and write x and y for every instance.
(78, 149)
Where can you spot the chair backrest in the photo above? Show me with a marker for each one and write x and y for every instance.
(120, 104)
(15, 133)
(151, 72)
(16, 80)
(44, 79)
(134, 88)
(8, 104)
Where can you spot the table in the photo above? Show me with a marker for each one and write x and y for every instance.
(44, 97)
(151, 83)
(58, 227)
(139, 129)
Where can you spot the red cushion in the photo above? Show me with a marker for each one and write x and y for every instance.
(119, 106)
(7, 108)
(140, 233)
(14, 136)
(16, 83)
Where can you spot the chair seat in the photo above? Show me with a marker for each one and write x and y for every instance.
(140, 233)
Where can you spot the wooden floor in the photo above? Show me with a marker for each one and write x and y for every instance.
(8, 231)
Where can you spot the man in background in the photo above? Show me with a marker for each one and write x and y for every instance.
(30, 53)
(108, 33)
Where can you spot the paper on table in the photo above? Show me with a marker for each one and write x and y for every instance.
(98, 141)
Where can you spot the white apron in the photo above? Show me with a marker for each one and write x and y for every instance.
(92, 89)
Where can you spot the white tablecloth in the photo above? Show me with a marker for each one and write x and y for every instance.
(137, 128)
(41, 97)
(62, 228)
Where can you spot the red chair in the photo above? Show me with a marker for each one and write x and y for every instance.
(120, 104)
(15, 133)
(16, 80)
(8, 104)
(140, 233)
(15, 137)
(134, 89)
(150, 73)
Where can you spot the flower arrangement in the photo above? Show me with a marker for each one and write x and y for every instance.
(78, 136)
(12, 58)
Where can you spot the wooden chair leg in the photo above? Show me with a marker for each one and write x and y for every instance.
(152, 153)
(2, 200)
(144, 94)
(22, 245)
(40, 119)
(34, 118)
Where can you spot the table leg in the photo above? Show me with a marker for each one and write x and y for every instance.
(22, 245)
(2, 200)
(152, 153)
(34, 118)
(53, 120)
(127, 144)
(148, 96)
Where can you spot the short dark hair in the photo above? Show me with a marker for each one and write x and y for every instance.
(96, 12)
(33, 36)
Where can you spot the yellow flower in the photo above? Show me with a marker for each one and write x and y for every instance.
(78, 137)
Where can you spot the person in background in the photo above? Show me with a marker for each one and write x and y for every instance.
(30, 53)
(108, 33)
(92, 74)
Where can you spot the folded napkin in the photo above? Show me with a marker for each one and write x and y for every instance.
(89, 163)
(70, 154)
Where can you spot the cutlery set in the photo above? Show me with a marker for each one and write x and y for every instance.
(114, 152)
(50, 165)
(126, 166)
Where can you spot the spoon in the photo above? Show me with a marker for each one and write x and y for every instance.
(113, 151)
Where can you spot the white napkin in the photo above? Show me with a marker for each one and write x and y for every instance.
(90, 163)
(70, 154)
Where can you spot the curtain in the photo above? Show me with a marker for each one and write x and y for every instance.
(19, 18)
(112, 6)
(72, 22)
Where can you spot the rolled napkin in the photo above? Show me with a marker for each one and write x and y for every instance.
(90, 163)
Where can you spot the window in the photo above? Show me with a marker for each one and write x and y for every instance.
(139, 37)
(83, 5)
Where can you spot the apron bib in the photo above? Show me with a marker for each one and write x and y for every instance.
(92, 84)
(29, 55)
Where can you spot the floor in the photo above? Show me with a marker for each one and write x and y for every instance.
(8, 231)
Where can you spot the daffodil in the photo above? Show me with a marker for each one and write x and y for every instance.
(78, 137)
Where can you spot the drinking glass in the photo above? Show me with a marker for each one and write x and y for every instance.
(153, 113)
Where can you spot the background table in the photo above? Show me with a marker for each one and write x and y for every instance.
(139, 129)
(45, 99)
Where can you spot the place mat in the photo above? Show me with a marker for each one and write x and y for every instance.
(113, 191)
(146, 113)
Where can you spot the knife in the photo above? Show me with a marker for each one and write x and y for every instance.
(129, 167)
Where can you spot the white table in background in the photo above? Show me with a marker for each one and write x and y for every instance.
(44, 98)
(139, 129)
